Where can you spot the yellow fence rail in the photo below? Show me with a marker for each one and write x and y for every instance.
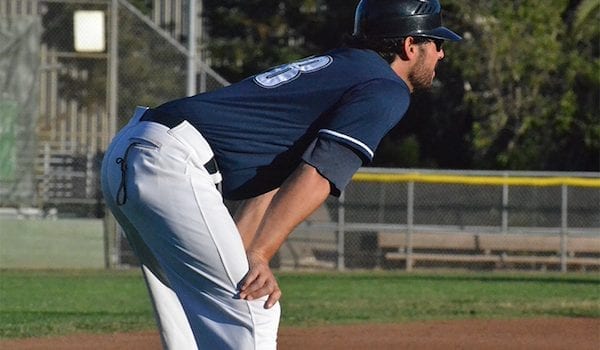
(477, 180)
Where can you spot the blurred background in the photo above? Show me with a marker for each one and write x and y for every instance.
(498, 167)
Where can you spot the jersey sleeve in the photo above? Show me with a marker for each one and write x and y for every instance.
(365, 114)
(334, 161)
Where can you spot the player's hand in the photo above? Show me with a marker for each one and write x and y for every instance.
(259, 281)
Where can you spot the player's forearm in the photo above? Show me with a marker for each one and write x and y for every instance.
(297, 198)
(249, 215)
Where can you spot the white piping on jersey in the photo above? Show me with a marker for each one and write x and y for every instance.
(351, 139)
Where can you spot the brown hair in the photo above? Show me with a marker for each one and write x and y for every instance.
(387, 48)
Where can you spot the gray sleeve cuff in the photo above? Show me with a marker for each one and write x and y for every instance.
(334, 161)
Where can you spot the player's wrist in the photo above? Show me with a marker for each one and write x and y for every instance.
(257, 256)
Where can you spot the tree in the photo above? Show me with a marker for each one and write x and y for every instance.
(509, 79)
(151, 71)
(246, 37)
(521, 91)
(577, 122)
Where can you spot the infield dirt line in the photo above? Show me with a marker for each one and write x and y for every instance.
(526, 334)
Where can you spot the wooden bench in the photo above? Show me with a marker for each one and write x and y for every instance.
(499, 249)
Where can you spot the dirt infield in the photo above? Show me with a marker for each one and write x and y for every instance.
(546, 334)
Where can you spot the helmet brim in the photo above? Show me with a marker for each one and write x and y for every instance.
(438, 33)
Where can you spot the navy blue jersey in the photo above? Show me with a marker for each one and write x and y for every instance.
(260, 127)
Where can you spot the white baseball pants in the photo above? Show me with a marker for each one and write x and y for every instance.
(155, 183)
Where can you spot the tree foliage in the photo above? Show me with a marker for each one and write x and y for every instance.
(246, 37)
(521, 91)
(518, 87)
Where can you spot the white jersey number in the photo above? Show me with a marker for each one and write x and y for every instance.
(289, 72)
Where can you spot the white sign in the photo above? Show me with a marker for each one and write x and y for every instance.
(89, 31)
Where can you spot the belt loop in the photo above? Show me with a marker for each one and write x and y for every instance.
(213, 170)
(217, 177)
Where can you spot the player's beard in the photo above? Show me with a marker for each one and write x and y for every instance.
(420, 77)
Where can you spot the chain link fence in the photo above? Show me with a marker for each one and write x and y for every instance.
(61, 104)
(60, 107)
(399, 219)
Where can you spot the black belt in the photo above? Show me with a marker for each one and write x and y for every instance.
(153, 115)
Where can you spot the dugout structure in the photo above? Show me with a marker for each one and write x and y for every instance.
(409, 218)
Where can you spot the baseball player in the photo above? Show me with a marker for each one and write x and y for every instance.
(281, 141)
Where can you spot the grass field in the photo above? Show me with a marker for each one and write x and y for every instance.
(40, 303)
(64, 299)
(63, 243)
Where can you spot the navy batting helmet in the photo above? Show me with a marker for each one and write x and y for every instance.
(401, 18)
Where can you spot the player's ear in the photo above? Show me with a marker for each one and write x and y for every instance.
(403, 53)
(409, 48)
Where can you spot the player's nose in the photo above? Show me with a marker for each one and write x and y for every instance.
(441, 54)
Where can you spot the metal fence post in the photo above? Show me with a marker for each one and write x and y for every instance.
(191, 54)
(109, 234)
(89, 169)
(112, 107)
(46, 177)
(381, 207)
(505, 206)
(409, 224)
(563, 228)
(113, 69)
(201, 38)
(340, 232)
